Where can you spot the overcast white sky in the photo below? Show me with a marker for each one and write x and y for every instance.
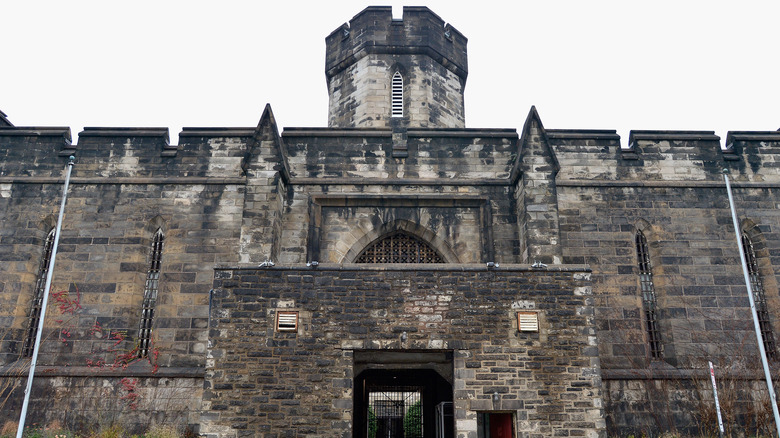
(694, 65)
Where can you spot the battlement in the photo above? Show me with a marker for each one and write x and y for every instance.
(374, 31)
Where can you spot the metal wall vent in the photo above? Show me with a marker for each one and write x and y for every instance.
(528, 321)
(398, 95)
(287, 321)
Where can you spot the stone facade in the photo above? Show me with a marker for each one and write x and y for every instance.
(540, 223)
(262, 380)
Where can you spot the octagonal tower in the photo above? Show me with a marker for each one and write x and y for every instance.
(386, 73)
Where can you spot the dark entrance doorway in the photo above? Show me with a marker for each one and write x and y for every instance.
(403, 394)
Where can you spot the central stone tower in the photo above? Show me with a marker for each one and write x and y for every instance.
(407, 73)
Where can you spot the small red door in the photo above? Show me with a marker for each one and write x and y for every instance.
(501, 426)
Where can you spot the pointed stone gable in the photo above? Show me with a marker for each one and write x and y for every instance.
(536, 195)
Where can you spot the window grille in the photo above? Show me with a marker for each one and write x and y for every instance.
(759, 297)
(649, 303)
(399, 247)
(37, 301)
(150, 295)
(395, 412)
(398, 95)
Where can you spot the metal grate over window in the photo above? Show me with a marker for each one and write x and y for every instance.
(37, 301)
(395, 412)
(150, 295)
(399, 247)
(759, 297)
(398, 95)
(649, 303)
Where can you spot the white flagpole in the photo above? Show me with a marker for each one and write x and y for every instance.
(764, 362)
(46, 288)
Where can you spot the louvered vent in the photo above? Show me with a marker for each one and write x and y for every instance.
(398, 95)
(287, 321)
(528, 321)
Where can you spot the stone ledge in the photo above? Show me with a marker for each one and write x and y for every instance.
(216, 132)
(582, 134)
(38, 131)
(440, 267)
(337, 132)
(677, 374)
(124, 132)
(400, 182)
(187, 180)
(672, 136)
(12, 370)
(665, 184)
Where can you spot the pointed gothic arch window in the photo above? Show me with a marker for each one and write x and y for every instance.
(767, 337)
(649, 303)
(399, 247)
(150, 295)
(38, 293)
(398, 95)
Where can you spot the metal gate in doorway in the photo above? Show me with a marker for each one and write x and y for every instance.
(395, 412)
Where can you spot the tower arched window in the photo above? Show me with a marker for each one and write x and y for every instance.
(649, 302)
(150, 295)
(759, 297)
(38, 294)
(397, 95)
(399, 247)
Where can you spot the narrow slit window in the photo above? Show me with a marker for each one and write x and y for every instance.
(37, 301)
(767, 337)
(649, 304)
(398, 95)
(150, 295)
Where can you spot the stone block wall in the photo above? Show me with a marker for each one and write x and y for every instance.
(86, 400)
(126, 184)
(262, 382)
(670, 186)
(453, 185)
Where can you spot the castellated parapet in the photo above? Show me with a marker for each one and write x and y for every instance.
(363, 56)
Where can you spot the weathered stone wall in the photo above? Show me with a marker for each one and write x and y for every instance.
(670, 186)
(261, 382)
(347, 190)
(87, 399)
(126, 184)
